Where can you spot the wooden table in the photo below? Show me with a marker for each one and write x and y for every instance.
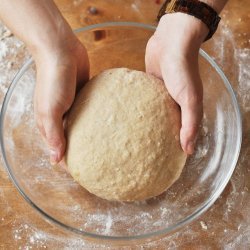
(227, 224)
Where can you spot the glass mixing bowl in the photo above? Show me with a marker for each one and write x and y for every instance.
(51, 191)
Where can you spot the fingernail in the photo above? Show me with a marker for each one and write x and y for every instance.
(190, 147)
(53, 157)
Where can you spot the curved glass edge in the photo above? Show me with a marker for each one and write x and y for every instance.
(116, 24)
(158, 233)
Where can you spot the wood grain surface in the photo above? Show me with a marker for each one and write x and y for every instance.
(227, 224)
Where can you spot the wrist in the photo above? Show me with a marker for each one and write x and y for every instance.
(196, 8)
(55, 39)
(183, 26)
(56, 51)
(181, 33)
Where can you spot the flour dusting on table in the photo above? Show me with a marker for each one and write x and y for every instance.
(233, 234)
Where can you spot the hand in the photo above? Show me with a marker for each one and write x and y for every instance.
(60, 72)
(61, 61)
(172, 55)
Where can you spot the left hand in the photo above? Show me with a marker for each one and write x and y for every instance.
(60, 73)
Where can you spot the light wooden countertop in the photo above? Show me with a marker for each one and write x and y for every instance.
(227, 224)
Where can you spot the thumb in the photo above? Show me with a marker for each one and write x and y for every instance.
(191, 116)
(54, 135)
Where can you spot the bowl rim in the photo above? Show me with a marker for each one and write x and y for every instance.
(203, 208)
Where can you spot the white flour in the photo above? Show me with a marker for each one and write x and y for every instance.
(234, 234)
(12, 55)
(39, 239)
(3, 50)
(242, 56)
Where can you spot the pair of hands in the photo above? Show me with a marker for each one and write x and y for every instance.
(171, 54)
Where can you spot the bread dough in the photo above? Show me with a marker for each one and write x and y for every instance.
(123, 136)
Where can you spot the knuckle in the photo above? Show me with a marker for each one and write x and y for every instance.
(41, 112)
(188, 134)
(152, 41)
(54, 141)
(190, 131)
(193, 101)
(47, 113)
(153, 46)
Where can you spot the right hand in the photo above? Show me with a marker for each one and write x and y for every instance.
(172, 55)
(60, 72)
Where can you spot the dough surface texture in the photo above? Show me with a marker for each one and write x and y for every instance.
(123, 136)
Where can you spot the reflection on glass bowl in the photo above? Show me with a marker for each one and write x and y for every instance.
(52, 191)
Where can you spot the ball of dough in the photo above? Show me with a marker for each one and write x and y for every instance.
(123, 136)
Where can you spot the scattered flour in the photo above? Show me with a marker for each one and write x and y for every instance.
(3, 50)
(203, 225)
(234, 234)
(108, 225)
(35, 239)
(243, 57)
(12, 55)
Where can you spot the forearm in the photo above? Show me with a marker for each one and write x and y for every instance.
(36, 22)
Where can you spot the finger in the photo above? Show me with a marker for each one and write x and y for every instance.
(54, 135)
(82, 69)
(191, 116)
(151, 63)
